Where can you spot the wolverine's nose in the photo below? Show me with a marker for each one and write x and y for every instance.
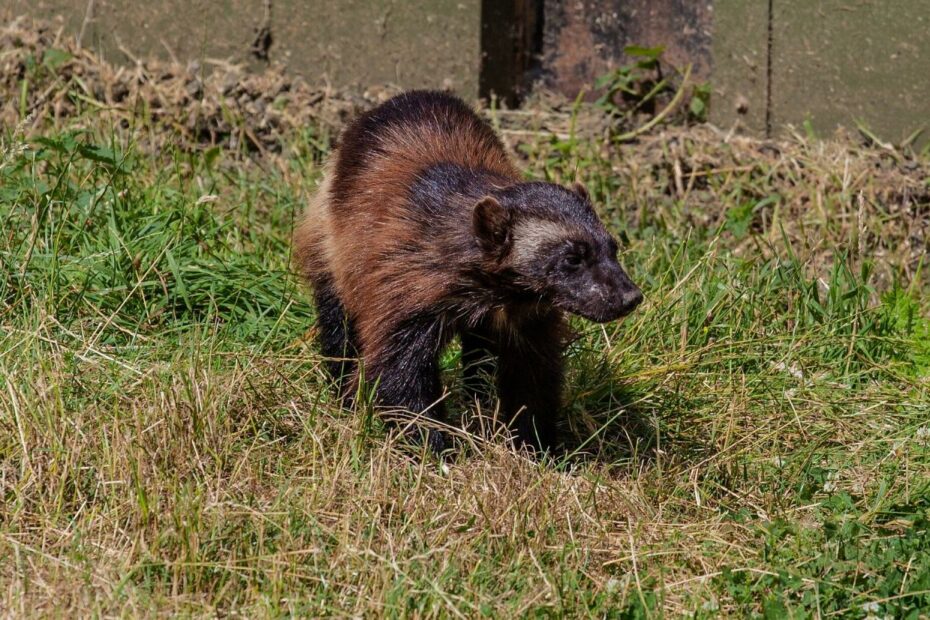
(631, 298)
(618, 295)
(627, 295)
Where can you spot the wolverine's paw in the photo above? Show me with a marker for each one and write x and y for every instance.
(540, 445)
(433, 439)
(436, 442)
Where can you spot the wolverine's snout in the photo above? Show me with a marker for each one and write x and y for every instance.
(610, 295)
(626, 295)
(627, 300)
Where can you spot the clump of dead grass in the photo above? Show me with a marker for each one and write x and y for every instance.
(54, 81)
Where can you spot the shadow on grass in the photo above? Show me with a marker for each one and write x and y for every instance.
(610, 420)
(607, 417)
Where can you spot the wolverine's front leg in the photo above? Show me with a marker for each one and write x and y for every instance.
(478, 364)
(529, 375)
(401, 361)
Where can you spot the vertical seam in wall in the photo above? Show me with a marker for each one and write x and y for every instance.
(88, 18)
(263, 39)
(768, 69)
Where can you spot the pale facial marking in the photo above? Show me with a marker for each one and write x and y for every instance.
(529, 235)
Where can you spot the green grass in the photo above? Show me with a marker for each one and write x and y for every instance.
(755, 441)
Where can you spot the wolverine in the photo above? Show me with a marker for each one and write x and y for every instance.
(423, 229)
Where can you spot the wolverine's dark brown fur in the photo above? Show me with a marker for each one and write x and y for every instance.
(422, 230)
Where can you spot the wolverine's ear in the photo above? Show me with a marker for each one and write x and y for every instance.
(581, 190)
(491, 222)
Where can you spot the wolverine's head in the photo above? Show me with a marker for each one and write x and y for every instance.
(551, 242)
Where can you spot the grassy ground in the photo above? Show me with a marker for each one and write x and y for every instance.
(754, 441)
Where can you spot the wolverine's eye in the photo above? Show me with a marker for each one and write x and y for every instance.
(575, 255)
(572, 260)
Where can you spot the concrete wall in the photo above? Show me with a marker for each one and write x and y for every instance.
(835, 61)
(414, 43)
(829, 62)
(770, 62)
(740, 49)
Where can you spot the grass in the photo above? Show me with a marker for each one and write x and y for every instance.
(755, 441)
